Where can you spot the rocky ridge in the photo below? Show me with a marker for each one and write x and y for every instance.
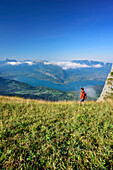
(107, 92)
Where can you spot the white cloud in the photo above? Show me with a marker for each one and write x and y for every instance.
(98, 65)
(90, 92)
(29, 62)
(18, 63)
(64, 64)
(14, 63)
(67, 65)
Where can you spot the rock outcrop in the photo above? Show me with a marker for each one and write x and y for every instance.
(107, 92)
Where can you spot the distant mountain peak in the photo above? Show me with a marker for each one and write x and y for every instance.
(8, 60)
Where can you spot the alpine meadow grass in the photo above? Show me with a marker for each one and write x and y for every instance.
(55, 135)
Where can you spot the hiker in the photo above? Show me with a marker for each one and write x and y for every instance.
(82, 97)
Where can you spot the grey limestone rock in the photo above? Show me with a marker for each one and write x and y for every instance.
(107, 92)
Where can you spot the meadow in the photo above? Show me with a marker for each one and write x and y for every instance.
(42, 135)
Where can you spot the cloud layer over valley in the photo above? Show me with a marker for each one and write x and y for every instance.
(72, 65)
(63, 64)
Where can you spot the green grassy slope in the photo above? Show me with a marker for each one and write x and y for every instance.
(16, 88)
(55, 135)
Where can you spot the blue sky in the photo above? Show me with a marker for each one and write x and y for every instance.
(56, 29)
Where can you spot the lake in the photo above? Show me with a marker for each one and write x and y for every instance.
(72, 86)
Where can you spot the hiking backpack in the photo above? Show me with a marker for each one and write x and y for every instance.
(85, 95)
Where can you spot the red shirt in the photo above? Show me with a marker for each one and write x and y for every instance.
(82, 95)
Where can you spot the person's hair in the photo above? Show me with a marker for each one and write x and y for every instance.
(82, 88)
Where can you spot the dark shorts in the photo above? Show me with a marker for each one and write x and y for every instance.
(81, 100)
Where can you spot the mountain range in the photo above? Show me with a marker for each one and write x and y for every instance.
(60, 72)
